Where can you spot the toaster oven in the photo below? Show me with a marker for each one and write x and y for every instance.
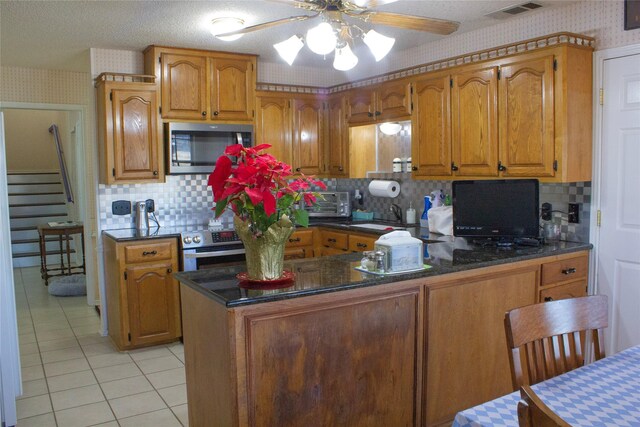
(330, 204)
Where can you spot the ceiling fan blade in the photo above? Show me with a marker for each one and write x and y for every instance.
(266, 25)
(371, 4)
(301, 4)
(430, 25)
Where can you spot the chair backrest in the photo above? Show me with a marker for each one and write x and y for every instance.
(549, 338)
(532, 411)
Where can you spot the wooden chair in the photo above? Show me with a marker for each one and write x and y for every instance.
(549, 339)
(532, 411)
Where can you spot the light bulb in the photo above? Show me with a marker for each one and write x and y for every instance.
(226, 25)
(391, 128)
(289, 48)
(344, 58)
(321, 39)
(378, 44)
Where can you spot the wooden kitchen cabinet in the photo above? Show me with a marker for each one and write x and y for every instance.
(300, 244)
(376, 104)
(203, 85)
(334, 240)
(431, 127)
(129, 133)
(474, 110)
(361, 243)
(337, 137)
(565, 278)
(309, 116)
(143, 299)
(274, 124)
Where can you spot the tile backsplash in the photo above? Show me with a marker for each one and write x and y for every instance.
(185, 200)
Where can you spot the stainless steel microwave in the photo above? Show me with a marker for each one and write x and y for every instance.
(195, 147)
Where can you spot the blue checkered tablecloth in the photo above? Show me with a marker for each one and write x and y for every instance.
(604, 393)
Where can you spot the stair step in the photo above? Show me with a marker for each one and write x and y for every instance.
(39, 188)
(33, 221)
(34, 247)
(37, 239)
(49, 253)
(27, 178)
(28, 234)
(24, 199)
(29, 211)
(37, 203)
(55, 214)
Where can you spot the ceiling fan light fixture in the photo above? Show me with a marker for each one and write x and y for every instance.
(226, 25)
(379, 45)
(289, 48)
(321, 39)
(390, 128)
(344, 58)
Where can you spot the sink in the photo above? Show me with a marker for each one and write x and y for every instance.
(381, 227)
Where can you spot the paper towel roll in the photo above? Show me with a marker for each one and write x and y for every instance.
(384, 188)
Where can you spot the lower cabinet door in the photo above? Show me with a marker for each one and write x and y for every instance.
(570, 290)
(154, 304)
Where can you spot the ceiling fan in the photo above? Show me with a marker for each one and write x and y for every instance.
(336, 33)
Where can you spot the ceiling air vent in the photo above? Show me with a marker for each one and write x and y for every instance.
(513, 10)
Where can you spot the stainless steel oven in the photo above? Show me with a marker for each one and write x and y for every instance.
(195, 147)
(208, 249)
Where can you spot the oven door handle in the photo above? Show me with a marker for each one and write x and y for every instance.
(213, 253)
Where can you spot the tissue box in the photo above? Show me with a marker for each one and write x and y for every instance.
(359, 215)
(402, 251)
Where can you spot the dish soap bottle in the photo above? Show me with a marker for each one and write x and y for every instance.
(411, 214)
(424, 219)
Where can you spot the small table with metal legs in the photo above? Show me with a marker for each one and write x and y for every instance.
(64, 232)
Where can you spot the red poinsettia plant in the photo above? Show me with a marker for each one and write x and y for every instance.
(260, 189)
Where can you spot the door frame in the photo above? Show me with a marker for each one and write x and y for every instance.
(81, 174)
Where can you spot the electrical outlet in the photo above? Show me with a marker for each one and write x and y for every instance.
(121, 207)
(545, 212)
(151, 206)
(574, 213)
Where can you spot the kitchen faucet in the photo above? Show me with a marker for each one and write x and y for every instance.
(396, 211)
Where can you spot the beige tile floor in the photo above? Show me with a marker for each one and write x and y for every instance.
(72, 376)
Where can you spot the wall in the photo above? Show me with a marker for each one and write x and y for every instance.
(29, 145)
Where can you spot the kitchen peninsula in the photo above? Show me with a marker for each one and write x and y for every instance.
(342, 347)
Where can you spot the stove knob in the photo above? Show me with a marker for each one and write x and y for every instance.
(187, 239)
(196, 239)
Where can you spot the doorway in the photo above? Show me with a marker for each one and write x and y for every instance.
(72, 120)
(617, 201)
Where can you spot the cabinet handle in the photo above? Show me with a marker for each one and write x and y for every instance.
(297, 239)
(362, 245)
(297, 169)
(332, 240)
(501, 167)
(370, 114)
(215, 113)
(414, 168)
(155, 173)
(378, 113)
(548, 299)
(570, 270)
(204, 114)
(340, 168)
(169, 270)
(145, 253)
(454, 167)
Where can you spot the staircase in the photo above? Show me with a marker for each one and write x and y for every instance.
(34, 198)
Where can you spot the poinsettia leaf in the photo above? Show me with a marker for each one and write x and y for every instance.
(302, 217)
(233, 150)
(255, 195)
(220, 207)
(218, 177)
(285, 201)
(262, 147)
(269, 203)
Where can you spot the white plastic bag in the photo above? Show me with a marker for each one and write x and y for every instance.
(441, 220)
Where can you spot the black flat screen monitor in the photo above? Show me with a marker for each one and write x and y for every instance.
(496, 208)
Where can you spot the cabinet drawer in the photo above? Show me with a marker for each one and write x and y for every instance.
(562, 271)
(148, 252)
(331, 251)
(334, 240)
(300, 238)
(361, 243)
(298, 252)
(570, 290)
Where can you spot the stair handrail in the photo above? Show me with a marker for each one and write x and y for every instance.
(53, 129)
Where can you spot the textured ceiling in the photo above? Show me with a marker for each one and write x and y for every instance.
(57, 34)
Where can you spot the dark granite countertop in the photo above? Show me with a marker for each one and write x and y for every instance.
(129, 234)
(336, 273)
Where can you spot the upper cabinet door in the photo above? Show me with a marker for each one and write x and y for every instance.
(184, 87)
(308, 135)
(527, 146)
(475, 122)
(273, 125)
(232, 89)
(361, 105)
(338, 136)
(394, 101)
(135, 133)
(431, 127)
